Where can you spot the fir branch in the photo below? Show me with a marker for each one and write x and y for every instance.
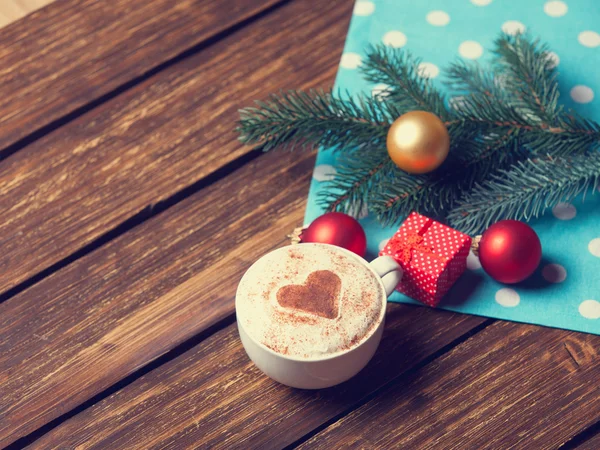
(493, 129)
(529, 73)
(489, 154)
(514, 150)
(356, 174)
(471, 78)
(526, 190)
(486, 103)
(497, 107)
(562, 143)
(436, 193)
(369, 177)
(315, 118)
(471, 158)
(399, 70)
(398, 193)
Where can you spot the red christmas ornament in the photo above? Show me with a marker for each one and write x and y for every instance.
(339, 229)
(510, 251)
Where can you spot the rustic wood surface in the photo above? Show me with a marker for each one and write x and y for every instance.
(76, 51)
(213, 396)
(86, 178)
(11, 10)
(130, 211)
(510, 386)
(212, 147)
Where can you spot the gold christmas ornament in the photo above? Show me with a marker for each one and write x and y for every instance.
(418, 142)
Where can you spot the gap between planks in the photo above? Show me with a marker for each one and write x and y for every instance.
(512, 386)
(588, 439)
(428, 360)
(249, 248)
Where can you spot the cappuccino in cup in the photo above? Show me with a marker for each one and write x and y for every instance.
(311, 315)
(310, 301)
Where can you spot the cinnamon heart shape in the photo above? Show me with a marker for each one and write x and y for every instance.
(319, 295)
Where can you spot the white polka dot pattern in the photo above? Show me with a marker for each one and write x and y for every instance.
(364, 8)
(513, 27)
(382, 244)
(324, 172)
(394, 39)
(508, 297)
(590, 309)
(554, 273)
(470, 49)
(380, 91)
(553, 60)
(465, 30)
(594, 247)
(350, 60)
(438, 18)
(589, 39)
(582, 94)
(428, 275)
(473, 262)
(428, 70)
(564, 211)
(556, 8)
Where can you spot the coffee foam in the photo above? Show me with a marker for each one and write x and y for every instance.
(298, 332)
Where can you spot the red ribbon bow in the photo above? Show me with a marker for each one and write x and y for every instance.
(404, 245)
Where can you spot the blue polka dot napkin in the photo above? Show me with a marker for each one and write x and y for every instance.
(565, 290)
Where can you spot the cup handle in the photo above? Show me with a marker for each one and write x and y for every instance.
(389, 271)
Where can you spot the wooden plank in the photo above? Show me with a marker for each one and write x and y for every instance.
(72, 52)
(99, 319)
(510, 386)
(214, 397)
(12, 10)
(67, 189)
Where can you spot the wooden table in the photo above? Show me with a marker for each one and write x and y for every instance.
(130, 212)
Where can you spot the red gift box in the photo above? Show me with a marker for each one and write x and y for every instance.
(432, 255)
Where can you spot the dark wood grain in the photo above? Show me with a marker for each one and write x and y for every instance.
(74, 51)
(151, 142)
(214, 397)
(593, 443)
(67, 189)
(99, 319)
(510, 386)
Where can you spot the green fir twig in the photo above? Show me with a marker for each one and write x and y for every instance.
(526, 190)
(316, 118)
(515, 151)
(406, 88)
(355, 179)
(530, 77)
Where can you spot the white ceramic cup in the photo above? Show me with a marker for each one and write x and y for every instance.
(328, 370)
